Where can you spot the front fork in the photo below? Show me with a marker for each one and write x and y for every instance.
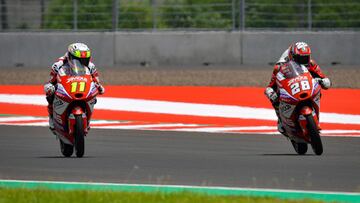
(306, 111)
(72, 121)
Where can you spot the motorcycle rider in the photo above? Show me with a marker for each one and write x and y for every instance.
(78, 51)
(300, 53)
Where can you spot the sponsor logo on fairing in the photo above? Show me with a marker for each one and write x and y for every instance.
(77, 79)
(297, 79)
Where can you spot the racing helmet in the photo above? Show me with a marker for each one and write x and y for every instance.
(79, 51)
(300, 52)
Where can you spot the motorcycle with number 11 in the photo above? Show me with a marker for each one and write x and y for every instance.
(73, 105)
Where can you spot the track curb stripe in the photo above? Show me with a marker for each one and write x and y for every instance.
(283, 194)
(179, 127)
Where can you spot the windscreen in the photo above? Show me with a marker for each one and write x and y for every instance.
(74, 68)
(292, 70)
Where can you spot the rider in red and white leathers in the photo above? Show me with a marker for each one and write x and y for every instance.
(78, 51)
(299, 52)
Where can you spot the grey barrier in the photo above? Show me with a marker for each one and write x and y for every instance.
(169, 49)
(39, 50)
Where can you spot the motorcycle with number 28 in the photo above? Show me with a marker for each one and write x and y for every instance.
(299, 107)
(73, 105)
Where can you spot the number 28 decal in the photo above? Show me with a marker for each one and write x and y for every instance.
(75, 85)
(295, 88)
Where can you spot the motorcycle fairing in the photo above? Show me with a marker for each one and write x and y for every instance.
(93, 89)
(286, 109)
(299, 95)
(75, 95)
(60, 105)
(285, 96)
(62, 93)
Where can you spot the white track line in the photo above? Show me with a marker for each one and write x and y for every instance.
(108, 122)
(266, 130)
(224, 129)
(20, 118)
(147, 126)
(339, 131)
(181, 108)
(44, 124)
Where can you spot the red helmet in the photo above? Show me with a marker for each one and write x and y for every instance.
(300, 52)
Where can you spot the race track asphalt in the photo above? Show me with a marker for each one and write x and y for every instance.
(178, 158)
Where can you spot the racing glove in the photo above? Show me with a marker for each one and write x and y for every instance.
(101, 89)
(324, 82)
(271, 94)
(49, 89)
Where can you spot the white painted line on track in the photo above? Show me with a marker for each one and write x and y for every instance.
(20, 118)
(108, 122)
(223, 129)
(146, 126)
(40, 124)
(339, 131)
(23, 99)
(260, 130)
(181, 108)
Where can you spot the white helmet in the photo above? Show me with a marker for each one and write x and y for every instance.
(79, 51)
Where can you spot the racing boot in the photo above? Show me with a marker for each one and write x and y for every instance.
(51, 123)
(51, 119)
(279, 124)
(280, 127)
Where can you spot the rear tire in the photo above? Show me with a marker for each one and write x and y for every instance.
(79, 136)
(315, 139)
(66, 149)
(300, 148)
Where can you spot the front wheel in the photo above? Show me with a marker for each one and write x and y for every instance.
(315, 139)
(79, 136)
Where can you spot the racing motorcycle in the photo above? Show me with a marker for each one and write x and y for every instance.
(74, 101)
(299, 107)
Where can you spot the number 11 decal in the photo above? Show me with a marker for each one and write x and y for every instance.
(74, 86)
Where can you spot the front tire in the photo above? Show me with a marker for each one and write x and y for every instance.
(300, 148)
(79, 136)
(316, 143)
(66, 149)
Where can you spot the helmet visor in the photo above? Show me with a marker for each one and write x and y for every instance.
(83, 61)
(303, 60)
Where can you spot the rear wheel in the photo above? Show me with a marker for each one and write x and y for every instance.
(315, 139)
(66, 149)
(79, 136)
(300, 148)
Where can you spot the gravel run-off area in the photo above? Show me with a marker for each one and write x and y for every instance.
(342, 77)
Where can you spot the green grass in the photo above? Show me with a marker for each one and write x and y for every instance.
(79, 196)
